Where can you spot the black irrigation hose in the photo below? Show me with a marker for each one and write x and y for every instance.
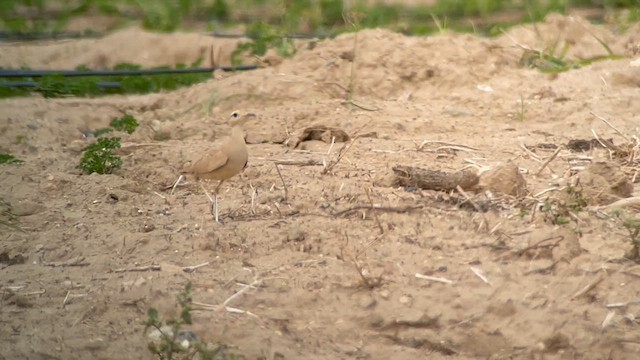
(41, 73)
(53, 35)
(23, 84)
(34, 36)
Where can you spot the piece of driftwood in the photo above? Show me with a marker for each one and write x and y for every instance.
(317, 132)
(434, 179)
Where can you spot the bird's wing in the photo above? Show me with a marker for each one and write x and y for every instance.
(212, 160)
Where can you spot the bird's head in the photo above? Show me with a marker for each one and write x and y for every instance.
(238, 118)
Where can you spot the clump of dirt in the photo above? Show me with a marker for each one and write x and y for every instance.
(312, 263)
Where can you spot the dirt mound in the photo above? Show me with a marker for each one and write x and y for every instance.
(330, 258)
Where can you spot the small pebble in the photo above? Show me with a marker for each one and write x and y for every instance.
(25, 208)
(405, 299)
(148, 228)
(295, 234)
(367, 302)
(384, 294)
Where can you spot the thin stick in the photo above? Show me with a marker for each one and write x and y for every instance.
(284, 185)
(466, 196)
(190, 269)
(375, 214)
(590, 286)
(176, 183)
(550, 159)
(611, 126)
(254, 194)
(398, 210)
(602, 144)
(539, 244)
(434, 278)
(479, 273)
(64, 302)
(548, 190)
(160, 195)
(343, 151)
(76, 261)
(453, 147)
(530, 153)
(626, 202)
(366, 246)
(608, 319)
(241, 291)
(333, 142)
(360, 106)
(139, 269)
(444, 143)
(299, 162)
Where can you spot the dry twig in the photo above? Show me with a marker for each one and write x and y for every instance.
(76, 261)
(190, 269)
(399, 210)
(434, 278)
(550, 159)
(590, 286)
(375, 214)
(284, 184)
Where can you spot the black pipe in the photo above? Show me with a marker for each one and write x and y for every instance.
(21, 84)
(54, 35)
(40, 73)
(32, 36)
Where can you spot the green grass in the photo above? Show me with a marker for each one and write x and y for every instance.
(295, 15)
(10, 159)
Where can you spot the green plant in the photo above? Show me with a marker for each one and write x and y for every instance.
(7, 217)
(170, 344)
(126, 123)
(10, 159)
(263, 37)
(99, 157)
(220, 10)
(55, 85)
(554, 60)
(559, 211)
(102, 131)
(331, 12)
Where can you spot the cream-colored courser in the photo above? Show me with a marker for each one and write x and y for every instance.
(225, 159)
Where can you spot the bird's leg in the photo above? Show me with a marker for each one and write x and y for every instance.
(208, 196)
(215, 197)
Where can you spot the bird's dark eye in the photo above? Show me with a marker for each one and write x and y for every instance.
(235, 114)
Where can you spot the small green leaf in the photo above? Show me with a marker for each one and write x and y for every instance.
(152, 313)
(10, 159)
(126, 123)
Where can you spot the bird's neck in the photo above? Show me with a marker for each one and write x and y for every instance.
(237, 132)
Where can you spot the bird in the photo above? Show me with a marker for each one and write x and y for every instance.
(224, 159)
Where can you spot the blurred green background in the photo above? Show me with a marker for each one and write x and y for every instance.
(299, 16)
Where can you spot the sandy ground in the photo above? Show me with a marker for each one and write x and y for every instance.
(297, 244)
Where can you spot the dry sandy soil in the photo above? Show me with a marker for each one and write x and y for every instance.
(547, 286)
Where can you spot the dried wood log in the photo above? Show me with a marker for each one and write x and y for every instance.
(434, 179)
